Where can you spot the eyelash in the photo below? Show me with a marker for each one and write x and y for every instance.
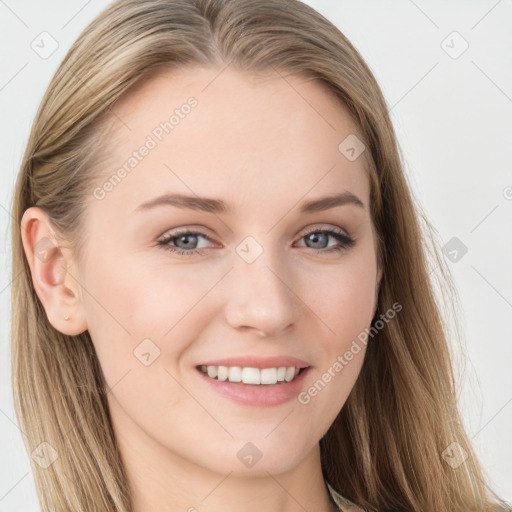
(346, 242)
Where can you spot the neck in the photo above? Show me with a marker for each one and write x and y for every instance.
(162, 481)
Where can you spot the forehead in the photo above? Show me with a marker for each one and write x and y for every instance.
(251, 139)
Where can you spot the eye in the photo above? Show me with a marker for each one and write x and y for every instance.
(186, 242)
(319, 238)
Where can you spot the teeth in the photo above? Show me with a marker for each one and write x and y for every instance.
(235, 374)
(290, 373)
(223, 373)
(269, 375)
(249, 375)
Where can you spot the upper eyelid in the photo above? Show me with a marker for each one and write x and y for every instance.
(336, 229)
(204, 232)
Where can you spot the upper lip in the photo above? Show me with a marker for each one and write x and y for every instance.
(258, 362)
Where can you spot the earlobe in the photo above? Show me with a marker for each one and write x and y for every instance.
(49, 262)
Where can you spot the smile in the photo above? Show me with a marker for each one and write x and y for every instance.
(248, 375)
(255, 387)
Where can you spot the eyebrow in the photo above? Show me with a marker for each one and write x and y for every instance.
(211, 205)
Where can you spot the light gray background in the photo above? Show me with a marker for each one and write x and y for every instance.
(453, 119)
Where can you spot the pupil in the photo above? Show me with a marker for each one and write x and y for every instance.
(186, 238)
(314, 237)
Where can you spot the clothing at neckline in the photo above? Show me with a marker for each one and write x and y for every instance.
(339, 500)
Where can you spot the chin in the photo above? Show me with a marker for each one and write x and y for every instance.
(257, 457)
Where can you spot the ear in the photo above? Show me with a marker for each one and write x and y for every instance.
(50, 264)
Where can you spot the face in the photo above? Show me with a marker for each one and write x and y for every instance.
(247, 278)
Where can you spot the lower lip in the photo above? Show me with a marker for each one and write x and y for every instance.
(258, 395)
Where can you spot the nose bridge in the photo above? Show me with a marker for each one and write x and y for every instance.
(260, 292)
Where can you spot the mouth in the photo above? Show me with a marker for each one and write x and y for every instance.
(252, 376)
(251, 386)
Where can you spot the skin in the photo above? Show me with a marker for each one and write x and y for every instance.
(264, 145)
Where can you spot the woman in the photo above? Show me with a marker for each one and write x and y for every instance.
(223, 298)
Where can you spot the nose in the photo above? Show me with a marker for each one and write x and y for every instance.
(260, 296)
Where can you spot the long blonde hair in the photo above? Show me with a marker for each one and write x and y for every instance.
(384, 449)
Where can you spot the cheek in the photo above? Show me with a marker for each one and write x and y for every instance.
(343, 302)
(130, 301)
(342, 297)
(140, 326)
